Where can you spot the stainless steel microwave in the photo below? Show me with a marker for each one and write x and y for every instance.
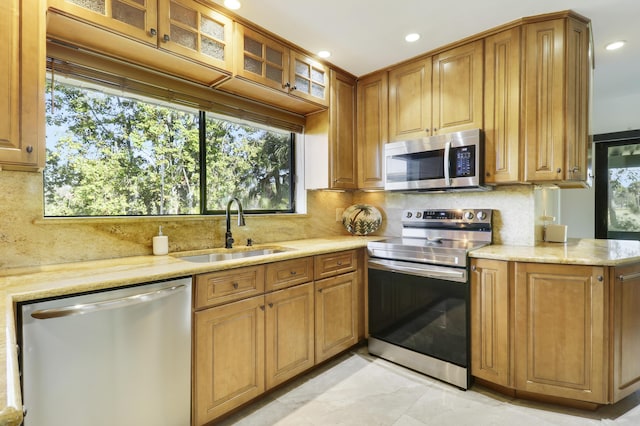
(450, 161)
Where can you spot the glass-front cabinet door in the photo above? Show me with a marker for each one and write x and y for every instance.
(261, 59)
(309, 79)
(196, 31)
(133, 18)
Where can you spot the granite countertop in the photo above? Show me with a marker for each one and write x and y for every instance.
(24, 284)
(574, 251)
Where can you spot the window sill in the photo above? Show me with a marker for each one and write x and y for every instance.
(159, 219)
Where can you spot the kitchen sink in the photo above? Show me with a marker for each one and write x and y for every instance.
(230, 254)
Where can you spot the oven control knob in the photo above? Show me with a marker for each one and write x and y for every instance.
(418, 215)
(409, 214)
(481, 215)
(468, 215)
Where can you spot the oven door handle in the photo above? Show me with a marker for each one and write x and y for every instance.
(422, 270)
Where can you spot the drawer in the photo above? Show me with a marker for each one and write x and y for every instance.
(287, 273)
(328, 265)
(226, 286)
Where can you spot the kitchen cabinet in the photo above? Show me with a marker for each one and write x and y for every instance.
(502, 107)
(336, 303)
(626, 323)
(410, 100)
(372, 129)
(22, 80)
(330, 139)
(216, 288)
(556, 90)
(457, 102)
(490, 333)
(229, 357)
(268, 70)
(156, 33)
(561, 331)
(289, 333)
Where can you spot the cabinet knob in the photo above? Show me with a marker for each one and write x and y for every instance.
(29, 149)
(235, 285)
(600, 278)
(576, 169)
(262, 307)
(166, 38)
(427, 130)
(319, 290)
(558, 170)
(293, 273)
(153, 32)
(271, 305)
(473, 268)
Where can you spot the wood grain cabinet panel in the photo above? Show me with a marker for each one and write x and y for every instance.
(626, 323)
(490, 324)
(280, 275)
(289, 333)
(502, 107)
(410, 100)
(560, 331)
(372, 132)
(225, 286)
(228, 357)
(331, 264)
(22, 80)
(336, 310)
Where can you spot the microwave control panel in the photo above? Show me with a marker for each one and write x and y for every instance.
(464, 161)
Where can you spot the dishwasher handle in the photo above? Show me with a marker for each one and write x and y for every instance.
(120, 302)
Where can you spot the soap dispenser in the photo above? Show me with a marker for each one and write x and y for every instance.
(160, 243)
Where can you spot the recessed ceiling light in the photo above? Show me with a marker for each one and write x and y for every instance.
(412, 37)
(232, 4)
(615, 45)
(324, 53)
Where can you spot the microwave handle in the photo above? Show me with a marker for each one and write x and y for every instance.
(447, 163)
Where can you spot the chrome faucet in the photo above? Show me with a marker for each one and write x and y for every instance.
(228, 238)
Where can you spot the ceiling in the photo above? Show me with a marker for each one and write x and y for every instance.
(367, 35)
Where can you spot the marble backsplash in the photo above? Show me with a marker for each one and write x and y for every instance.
(27, 239)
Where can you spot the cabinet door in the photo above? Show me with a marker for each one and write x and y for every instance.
(502, 107)
(336, 315)
(579, 70)
(261, 59)
(308, 78)
(561, 334)
(490, 331)
(410, 101)
(195, 31)
(626, 331)
(458, 88)
(22, 57)
(373, 113)
(134, 18)
(289, 333)
(228, 357)
(342, 138)
(544, 100)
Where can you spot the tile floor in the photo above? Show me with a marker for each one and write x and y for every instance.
(359, 389)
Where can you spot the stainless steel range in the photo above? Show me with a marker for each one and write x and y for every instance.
(419, 291)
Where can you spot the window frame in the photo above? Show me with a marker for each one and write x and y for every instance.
(601, 182)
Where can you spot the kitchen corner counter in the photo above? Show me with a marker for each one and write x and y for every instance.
(38, 282)
(574, 251)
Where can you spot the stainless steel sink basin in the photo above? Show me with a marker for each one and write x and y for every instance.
(228, 255)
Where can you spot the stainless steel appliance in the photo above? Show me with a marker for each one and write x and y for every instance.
(442, 162)
(117, 357)
(419, 291)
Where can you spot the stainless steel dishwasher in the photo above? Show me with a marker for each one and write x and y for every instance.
(117, 357)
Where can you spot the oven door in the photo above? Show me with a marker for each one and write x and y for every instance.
(421, 308)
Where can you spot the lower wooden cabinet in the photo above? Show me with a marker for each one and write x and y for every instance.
(336, 315)
(228, 357)
(289, 346)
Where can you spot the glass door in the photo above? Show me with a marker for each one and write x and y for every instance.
(617, 186)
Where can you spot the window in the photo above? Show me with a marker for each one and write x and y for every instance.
(112, 153)
(617, 185)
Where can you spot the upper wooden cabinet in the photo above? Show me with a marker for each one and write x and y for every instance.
(502, 107)
(372, 131)
(267, 70)
(22, 66)
(169, 30)
(457, 88)
(555, 117)
(410, 100)
(438, 94)
(330, 139)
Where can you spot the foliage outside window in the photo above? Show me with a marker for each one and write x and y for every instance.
(617, 187)
(112, 154)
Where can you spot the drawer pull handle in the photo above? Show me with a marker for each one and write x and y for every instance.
(629, 276)
(294, 273)
(235, 285)
(339, 263)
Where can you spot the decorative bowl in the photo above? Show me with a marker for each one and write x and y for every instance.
(361, 219)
